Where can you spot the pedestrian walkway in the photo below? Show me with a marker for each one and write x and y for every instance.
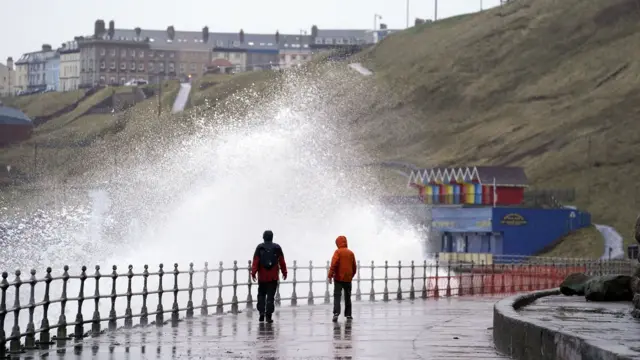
(453, 328)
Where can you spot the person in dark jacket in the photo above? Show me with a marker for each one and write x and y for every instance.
(343, 269)
(268, 260)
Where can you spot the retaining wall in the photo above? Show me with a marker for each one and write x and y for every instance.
(524, 338)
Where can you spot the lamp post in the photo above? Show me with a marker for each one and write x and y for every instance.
(375, 21)
(302, 34)
(408, 13)
(435, 11)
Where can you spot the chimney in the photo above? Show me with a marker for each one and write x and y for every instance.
(10, 63)
(46, 47)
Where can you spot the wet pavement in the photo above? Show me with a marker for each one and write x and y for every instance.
(609, 322)
(454, 328)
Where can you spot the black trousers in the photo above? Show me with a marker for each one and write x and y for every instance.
(267, 291)
(338, 288)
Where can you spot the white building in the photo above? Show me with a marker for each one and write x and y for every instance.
(69, 66)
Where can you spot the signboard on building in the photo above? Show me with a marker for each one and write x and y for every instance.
(513, 219)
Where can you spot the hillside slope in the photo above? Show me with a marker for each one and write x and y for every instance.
(545, 84)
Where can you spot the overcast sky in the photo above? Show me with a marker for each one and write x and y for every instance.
(27, 24)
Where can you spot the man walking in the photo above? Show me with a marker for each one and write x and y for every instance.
(267, 260)
(343, 269)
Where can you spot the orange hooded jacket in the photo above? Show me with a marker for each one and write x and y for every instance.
(343, 263)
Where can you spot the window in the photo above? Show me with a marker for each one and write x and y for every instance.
(219, 43)
(294, 57)
(319, 40)
(123, 66)
(161, 66)
(171, 55)
(103, 51)
(193, 68)
(112, 52)
(113, 65)
(132, 52)
(112, 80)
(328, 41)
(133, 66)
(140, 67)
(123, 80)
(204, 68)
(102, 79)
(283, 57)
(141, 53)
(123, 53)
(161, 54)
(339, 41)
(181, 68)
(151, 53)
(150, 66)
(172, 67)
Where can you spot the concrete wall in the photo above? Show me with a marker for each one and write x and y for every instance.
(528, 339)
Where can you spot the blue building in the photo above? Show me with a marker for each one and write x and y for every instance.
(503, 230)
(52, 71)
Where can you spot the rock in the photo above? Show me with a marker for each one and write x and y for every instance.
(609, 288)
(574, 284)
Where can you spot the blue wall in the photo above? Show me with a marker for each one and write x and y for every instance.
(527, 231)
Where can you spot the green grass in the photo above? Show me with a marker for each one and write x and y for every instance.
(44, 104)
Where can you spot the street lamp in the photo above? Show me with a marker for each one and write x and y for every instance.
(408, 13)
(375, 21)
(300, 53)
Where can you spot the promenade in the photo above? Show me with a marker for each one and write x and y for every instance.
(446, 328)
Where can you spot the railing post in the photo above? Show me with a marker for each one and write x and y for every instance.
(249, 296)
(190, 301)
(412, 290)
(14, 345)
(327, 298)
(4, 285)
(482, 271)
(460, 288)
(424, 280)
(95, 320)
(358, 293)
(294, 299)
(385, 294)
(45, 336)
(79, 328)
(30, 339)
(144, 312)
(449, 278)
(372, 292)
(399, 292)
(277, 298)
(112, 312)
(128, 313)
(436, 290)
(219, 304)
(493, 276)
(502, 276)
(472, 290)
(160, 308)
(175, 315)
(310, 296)
(62, 320)
(205, 306)
(234, 298)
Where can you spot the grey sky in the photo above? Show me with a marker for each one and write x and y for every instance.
(27, 24)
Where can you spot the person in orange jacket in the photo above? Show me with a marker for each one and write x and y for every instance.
(343, 269)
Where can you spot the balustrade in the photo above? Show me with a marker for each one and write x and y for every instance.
(130, 290)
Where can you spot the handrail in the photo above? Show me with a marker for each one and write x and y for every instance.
(429, 279)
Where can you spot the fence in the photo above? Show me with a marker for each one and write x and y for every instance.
(424, 280)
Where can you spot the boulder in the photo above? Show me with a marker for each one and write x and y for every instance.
(609, 288)
(574, 284)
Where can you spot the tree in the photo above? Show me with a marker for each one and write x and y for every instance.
(112, 29)
(171, 32)
(277, 37)
(314, 31)
(205, 34)
(241, 34)
(99, 28)
(138, 31)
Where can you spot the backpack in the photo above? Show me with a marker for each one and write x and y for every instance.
(268, 257)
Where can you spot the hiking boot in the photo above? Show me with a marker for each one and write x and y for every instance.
(261, 319)
(269, 319)
(335, 318)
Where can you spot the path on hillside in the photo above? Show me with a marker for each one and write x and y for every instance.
(612, 240)
(181, 100)
(447, 328)
(361, 69)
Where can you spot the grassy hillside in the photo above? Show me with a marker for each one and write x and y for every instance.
(545, 84)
